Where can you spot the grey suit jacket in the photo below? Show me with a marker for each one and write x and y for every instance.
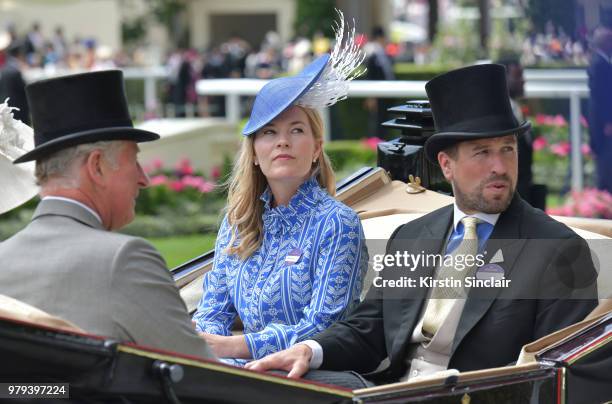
(107, 283)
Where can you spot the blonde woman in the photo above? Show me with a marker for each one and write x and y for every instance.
(289, 258)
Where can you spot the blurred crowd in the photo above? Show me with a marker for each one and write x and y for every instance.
(555, 45)
(237, 58)
(56, 52)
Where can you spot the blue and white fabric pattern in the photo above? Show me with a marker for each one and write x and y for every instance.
(306, 275)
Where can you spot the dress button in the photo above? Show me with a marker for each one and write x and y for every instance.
(415, 373)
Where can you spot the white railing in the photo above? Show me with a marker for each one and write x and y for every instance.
(149, 75)
(576, 76)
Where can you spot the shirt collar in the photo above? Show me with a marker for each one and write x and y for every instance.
(458, 214)
(300, 205)
(75, 202)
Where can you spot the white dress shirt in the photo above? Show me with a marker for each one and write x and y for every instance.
(75, 202)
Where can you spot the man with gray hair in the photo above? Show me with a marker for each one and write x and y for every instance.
(67, 261)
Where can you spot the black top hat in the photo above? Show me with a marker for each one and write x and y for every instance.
(80, 108)
(470, 103)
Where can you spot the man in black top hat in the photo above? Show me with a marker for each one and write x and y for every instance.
(68, 261)
(540, 275)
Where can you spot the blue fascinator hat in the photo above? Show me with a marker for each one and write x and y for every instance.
(321, 84)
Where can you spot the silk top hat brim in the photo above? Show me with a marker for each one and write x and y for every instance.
(278, 94)
(81, 108)
(468, 104)
(91, 136)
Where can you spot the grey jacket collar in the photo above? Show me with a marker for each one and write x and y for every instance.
(67, 209)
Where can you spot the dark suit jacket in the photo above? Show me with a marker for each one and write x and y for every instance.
(12, 86)
(494, 323)
(600, 104)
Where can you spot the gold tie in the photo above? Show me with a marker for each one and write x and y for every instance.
(441, 299)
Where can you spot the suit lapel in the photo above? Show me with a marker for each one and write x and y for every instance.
(505, 238)
(55, 207)
(430, 240)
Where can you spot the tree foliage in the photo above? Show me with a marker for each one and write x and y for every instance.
(313, 16)
(165, 10)
(560, 12)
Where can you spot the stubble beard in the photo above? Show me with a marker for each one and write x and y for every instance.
(476, 201)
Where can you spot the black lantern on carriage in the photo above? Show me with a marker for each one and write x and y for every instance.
(405, 155)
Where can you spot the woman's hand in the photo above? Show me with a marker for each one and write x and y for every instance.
(227, 346)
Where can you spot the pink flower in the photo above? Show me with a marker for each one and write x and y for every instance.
(184, 167)
(585, 210)
(158, 180)
(198, 183)
(372, 142)
(539, 143)
(206, 187)
(541, 119)
(559, 121)
(569, 210)
(585, 149)
(157, 164)
(561, 149)
(177, 186)
(191, 181)
(590, 202)
(584, 122)
(215, 173)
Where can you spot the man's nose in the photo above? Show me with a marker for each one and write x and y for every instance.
(498, 165)
(143, 178)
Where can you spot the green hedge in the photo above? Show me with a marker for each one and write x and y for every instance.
(346, 153)
(172, 225)
(411, 71)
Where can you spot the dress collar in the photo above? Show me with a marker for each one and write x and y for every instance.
(297, 210)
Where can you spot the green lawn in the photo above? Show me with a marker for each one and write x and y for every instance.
(177, 250)
(554, 200)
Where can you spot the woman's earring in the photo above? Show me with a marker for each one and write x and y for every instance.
(256, 162)
(314, 161)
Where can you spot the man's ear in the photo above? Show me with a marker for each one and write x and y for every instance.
(445, 162)
(95, 167)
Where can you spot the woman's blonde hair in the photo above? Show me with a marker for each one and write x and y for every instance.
(247, 184)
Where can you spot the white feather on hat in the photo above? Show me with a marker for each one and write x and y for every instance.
(343, 66)
(17, 182)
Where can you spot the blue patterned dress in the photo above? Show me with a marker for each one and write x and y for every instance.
(306, 275)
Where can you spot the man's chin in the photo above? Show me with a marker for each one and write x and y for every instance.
(496, 204)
